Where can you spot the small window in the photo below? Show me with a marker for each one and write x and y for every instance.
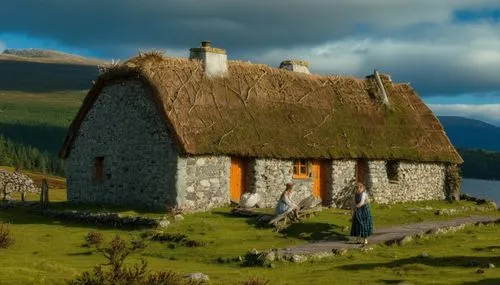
(301, 168)
(98, 168)
(392, 168)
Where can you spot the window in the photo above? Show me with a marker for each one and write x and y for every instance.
(98, 168)
(301, 168)
(391, 168)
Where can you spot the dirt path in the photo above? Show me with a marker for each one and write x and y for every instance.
(388, 235)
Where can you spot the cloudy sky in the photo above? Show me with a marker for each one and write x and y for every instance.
(448, 49)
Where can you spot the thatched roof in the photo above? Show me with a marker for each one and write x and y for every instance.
(259, 111)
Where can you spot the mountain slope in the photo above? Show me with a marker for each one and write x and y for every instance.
(470, 133)
(35, 70)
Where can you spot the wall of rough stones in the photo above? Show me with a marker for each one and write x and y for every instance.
(203, 182)
(269, 179)
(15, 182)
(342, 176)
(417, 182)
(140, 156)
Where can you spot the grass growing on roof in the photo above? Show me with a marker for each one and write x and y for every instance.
(259, 111)
(49, 251)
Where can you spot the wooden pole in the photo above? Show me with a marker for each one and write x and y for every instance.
(44, 193)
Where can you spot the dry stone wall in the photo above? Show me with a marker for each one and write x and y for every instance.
(416, 182)
(139, 155)
(203, 182)
(15, 182)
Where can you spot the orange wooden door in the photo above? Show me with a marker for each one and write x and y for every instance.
(319, 179)
(361, 171)
(238, 171)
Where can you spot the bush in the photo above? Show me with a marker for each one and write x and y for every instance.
(94, 239)
(6, 239)
(114, 272)
(173, 238)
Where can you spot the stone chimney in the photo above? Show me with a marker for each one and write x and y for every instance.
(295, 65)
(214, 60)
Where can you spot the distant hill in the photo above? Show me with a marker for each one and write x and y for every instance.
(470, 133)
(47, 56)
(35, 70)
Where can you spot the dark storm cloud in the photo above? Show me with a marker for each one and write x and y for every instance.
(234, 24)
(428, 45)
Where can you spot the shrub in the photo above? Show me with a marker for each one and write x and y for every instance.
(6, 239)
(173, 238)
(94, 239)
(114, 272)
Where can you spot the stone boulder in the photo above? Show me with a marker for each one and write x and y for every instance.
(197, 276)
(249, 200)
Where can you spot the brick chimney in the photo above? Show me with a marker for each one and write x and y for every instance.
(214, 60)
(295, 65)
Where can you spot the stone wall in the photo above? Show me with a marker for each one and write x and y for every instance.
(140, 156)
(269, 179)
(417, 182)
(203, 182)
(342, 176)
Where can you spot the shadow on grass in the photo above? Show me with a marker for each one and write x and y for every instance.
(85, 253)
(313, 231)
(452, 261)
(28, 214)
(305, 230)
(487, 248)
(491, 281)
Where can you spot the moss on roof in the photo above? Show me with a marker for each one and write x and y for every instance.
(259, 111)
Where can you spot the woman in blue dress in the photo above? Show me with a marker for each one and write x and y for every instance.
(362, 222)
(285, 203)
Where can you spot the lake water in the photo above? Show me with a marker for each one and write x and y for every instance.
(485, 189)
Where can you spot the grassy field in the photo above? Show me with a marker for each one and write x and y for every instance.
(38, 119)
(50, 251)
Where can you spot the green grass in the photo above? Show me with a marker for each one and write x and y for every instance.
(49, 251)
(50, 109)
(39, 120)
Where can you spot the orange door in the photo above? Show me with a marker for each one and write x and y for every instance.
(319, 179)
(238, 171)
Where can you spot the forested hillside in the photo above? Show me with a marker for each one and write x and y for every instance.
(29, 158)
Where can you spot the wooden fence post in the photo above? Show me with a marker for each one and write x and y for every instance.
(44, 193)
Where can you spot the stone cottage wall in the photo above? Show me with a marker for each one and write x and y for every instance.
(417, 182)
(270, 177)
(342, 177)
(203, 182)
(140, 157)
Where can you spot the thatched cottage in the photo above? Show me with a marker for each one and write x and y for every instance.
(197, 133)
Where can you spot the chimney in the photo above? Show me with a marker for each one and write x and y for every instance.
(214, 60)
(300, 66)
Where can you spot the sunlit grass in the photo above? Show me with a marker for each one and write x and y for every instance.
(50, 251)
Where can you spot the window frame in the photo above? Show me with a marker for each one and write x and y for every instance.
(297, 165)
(392, 171)
(98, 168)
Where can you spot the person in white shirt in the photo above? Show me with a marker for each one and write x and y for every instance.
(362, 221)
(285, 203)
